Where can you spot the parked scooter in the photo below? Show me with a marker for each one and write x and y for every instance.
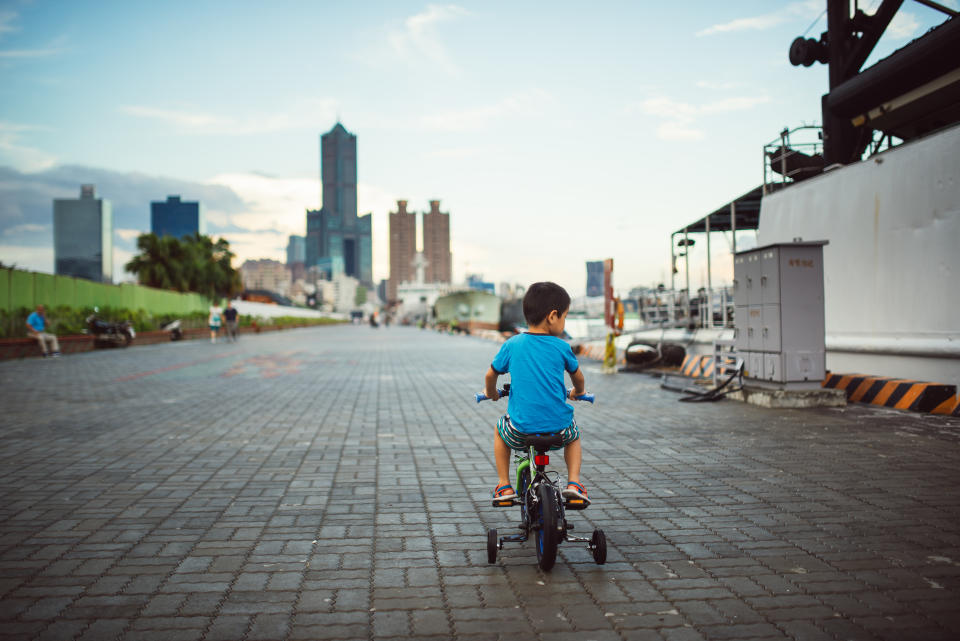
(176, 333)
(107, 332)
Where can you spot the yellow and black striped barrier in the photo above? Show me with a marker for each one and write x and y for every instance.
(898, 393)
(697, 366)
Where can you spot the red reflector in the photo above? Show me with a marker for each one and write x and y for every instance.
(541, 459)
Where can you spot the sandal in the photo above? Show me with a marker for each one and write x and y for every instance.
(576, 491)
(504, 493)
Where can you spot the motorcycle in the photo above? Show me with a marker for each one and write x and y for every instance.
(107, 332)
(176, 332)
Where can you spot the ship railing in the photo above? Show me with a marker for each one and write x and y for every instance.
(796, 154)
(712, 309)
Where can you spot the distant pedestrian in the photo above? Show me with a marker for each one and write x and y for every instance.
(230, 315)
(214, 320)
(36, 327)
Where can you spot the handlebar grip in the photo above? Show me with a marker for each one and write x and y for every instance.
(484, 397)
(586, 397)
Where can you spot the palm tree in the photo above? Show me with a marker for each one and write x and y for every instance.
(195, 263)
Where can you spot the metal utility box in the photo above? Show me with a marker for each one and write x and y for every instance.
(779, 326)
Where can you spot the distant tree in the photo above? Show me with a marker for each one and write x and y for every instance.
(191, 264)
(361, 296)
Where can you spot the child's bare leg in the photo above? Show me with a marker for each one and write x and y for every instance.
(572, 455)
(501, 452)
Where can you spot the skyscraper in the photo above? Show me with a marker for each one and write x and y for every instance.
(177, 218)
(296, 250)
(594, 278)
(403, 247)
(335, 234)
(436, 245)
(83, 236)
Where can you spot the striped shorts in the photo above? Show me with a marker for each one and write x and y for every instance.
(514, 438)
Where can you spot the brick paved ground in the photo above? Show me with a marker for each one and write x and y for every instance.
(331, 483)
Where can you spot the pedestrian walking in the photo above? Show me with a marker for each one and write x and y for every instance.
(36, 327)
(214, 320)
(230, 316)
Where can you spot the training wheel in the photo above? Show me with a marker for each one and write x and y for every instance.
(598, 545)
(492, 544)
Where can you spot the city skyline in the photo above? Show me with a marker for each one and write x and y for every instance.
(613, 118)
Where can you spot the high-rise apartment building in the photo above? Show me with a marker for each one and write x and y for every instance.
(594, 278)
(335, 234)
(436, 245)
(403, 247)
(83, 236)
(265, 274)
(177, 218)
(296, 250)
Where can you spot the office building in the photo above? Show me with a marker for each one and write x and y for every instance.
(177, 218)
(403, 247)
(296, 250)
(336, 236)
(594, 278)
(83, 236)
(436, 245)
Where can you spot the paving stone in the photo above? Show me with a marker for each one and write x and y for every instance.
(338, 490)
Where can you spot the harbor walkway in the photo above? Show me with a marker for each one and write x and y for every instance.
(332, 483)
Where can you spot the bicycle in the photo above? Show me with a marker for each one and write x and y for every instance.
(542, 506)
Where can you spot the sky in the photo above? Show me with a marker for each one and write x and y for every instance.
(553, 133)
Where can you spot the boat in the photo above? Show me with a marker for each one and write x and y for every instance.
(468, 310)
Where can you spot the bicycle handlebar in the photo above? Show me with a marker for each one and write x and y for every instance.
(506, 392)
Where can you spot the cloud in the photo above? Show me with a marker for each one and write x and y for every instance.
(806, 10)
(304, 114)
(525, 104)
(29, 53)
(38, 259)
(269, 204)
(6, 18)
(24, 228)
(418, 39)
(128, 234)
(904, 25)
(14, 152)
(679, 118)
(678, 130)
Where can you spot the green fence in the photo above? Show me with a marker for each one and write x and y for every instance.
(29, 289)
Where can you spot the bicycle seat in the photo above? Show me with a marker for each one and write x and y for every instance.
(543, 442)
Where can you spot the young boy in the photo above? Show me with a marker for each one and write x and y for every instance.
(537, 403)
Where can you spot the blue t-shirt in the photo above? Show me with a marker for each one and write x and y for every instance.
(538, 393)
(36, 321)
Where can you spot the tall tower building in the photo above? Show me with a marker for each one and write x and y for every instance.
(594, 278)
(83, 236)
(436, 245)
(335, 233)
(177, 218)
(403, 247)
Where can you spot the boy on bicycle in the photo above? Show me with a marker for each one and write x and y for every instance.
(536, 361)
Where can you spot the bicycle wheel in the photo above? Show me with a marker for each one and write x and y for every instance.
(547, 539)
(598, 545)
(492, 546)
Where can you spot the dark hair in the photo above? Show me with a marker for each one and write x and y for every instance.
(541, 299)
